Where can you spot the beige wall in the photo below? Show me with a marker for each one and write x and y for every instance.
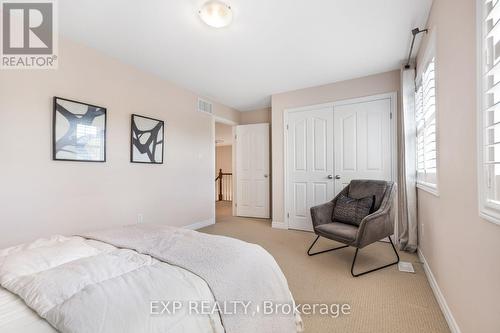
(227, 113)
(224, 159)
(225, 133)
(370, 85)
(462, 250)
(40, 197)
(255, 116)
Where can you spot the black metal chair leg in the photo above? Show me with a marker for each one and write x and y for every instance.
(375, 269)
(315, 253)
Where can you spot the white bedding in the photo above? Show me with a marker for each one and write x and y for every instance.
(233, 269)
(68, 266)
(106, 281)
(15, 316)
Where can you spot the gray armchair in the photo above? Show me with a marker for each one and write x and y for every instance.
(374, 227)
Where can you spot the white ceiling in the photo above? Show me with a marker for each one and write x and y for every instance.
(271, 46)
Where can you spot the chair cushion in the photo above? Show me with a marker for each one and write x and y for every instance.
(352, 211)
(341, 232)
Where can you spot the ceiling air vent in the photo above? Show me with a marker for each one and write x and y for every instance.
(205, 106)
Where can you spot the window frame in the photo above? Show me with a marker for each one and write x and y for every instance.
(487, 210)
(429, 54)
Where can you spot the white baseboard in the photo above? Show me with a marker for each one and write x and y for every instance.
(279, 225)
(201, 224)
(452, 324)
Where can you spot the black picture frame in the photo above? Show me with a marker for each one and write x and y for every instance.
(57, 148)
(142, 150)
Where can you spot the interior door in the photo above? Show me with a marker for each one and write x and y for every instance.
(309, 164)
(362, 142)
(252, 171)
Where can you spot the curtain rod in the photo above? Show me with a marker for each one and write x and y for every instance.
(414, 32)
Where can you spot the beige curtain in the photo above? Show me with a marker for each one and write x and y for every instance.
(407, 237)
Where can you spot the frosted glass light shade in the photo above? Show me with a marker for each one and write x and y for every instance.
(216, 14)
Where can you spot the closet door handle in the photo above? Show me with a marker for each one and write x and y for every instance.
(330, 177)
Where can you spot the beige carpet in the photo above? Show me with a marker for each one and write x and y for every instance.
(383, 301)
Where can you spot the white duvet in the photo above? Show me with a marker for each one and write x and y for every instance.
(15, 316)
(73, 270)
(107, 281)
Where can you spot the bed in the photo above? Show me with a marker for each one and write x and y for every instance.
(15, 316)
(142, 278)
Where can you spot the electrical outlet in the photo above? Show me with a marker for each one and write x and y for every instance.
(405, 266)
(139, 218)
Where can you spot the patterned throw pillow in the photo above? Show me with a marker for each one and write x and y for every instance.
(352, 211)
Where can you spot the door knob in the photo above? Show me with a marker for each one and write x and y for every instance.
(337, 177)
(330, 177)
(265, 176)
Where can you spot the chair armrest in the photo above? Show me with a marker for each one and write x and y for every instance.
(379, 224)
(322, 214)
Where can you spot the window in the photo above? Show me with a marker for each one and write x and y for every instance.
(425, 114)
(489, 109)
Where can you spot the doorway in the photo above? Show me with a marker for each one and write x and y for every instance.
(326, 146)
(242, 169)
(223, 169)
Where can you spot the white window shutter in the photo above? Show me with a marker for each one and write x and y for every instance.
(489, 109)
(425, 113)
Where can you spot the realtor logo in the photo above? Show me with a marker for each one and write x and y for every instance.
(28, 35)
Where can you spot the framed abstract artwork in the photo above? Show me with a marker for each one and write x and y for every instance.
(146, 140)
(78, 131)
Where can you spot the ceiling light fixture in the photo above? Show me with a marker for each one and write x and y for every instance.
(216, 14)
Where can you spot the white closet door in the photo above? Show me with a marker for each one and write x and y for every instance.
(362, 142)
(252, 171)
(309, 164)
